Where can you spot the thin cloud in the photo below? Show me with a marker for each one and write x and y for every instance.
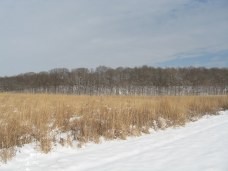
(39, 35)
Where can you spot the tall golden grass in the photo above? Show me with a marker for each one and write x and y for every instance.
(67, 119)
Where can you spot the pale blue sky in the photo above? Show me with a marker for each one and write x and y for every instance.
(37, 35)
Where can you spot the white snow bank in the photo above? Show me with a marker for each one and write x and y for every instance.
(201, 145)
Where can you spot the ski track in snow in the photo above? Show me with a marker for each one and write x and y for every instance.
(200, 145)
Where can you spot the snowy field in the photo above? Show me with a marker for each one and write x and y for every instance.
(199, 146)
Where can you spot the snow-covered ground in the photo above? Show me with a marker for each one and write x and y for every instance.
(200, 145)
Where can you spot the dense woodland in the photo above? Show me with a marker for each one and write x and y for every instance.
(121, 81)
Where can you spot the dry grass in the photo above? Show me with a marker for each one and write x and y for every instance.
(51, 119)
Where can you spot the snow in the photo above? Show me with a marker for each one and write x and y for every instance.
(200, 145)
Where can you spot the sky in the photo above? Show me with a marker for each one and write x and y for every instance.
(39, 35)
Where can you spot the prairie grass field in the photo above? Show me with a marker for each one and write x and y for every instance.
(68, 120)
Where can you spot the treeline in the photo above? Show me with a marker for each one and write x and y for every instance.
(121, 81)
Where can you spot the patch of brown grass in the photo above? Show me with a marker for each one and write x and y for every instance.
(65, 119)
